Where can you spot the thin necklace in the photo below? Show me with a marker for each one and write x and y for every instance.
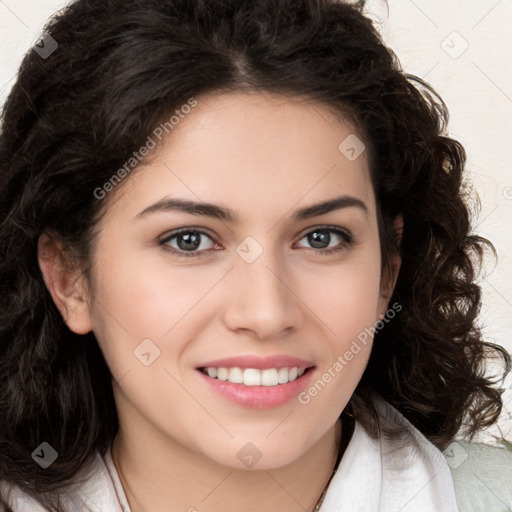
(126, 488)
(340, 450)
(348, 422)
(324, 492)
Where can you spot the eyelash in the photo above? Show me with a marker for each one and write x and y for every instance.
(347, 241)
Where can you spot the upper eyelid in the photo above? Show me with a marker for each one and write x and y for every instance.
(171, 234)
(325, 227)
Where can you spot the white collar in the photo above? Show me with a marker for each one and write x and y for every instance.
(408, 474)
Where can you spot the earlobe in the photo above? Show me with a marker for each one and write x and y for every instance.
(389, 279)
(398, 227)
(65, 284)
(396, 260)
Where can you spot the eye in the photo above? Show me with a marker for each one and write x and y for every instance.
(328, 240)
(191, 242)
(188, 242)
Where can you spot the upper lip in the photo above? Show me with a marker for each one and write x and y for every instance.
(258, 362)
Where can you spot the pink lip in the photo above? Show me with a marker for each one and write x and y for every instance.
(258, 397)
(259, 363)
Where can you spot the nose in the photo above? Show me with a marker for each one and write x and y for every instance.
(262, 300)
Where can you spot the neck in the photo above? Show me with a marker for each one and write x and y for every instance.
(162, 475)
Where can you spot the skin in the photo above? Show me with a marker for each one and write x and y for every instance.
(263, 156)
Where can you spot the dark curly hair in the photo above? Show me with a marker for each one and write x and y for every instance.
(120, 68)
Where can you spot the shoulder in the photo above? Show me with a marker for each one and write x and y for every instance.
(482, 476)
(404, 471)
(91, 490)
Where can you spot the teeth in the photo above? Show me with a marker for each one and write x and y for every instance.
(235, 375)
(282, 376)
(222, 373)
(269, 377)
(255, 377)
(252, 377)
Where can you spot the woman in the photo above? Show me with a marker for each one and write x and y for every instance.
(237, 267)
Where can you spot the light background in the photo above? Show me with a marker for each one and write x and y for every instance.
(464, 50)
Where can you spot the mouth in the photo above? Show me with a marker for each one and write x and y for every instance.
(255, 382)
(254, 376)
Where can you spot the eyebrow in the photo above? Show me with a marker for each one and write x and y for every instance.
(222, 213)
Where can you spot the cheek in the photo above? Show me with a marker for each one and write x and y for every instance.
(347, 296)
(147, 296)
(140, 299)
(347, 300)
(348, 313)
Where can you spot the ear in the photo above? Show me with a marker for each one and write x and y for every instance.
(398, 227)
(65, 284)
(389, 278)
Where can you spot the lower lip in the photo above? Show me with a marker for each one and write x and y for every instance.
(259, 397)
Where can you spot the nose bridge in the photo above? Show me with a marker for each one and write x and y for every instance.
(262, 299)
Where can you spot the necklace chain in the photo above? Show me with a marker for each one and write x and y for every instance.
(324, 492)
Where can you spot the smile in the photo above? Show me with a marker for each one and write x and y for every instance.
(257, 382)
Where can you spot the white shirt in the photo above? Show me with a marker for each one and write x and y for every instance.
(384, 475)
(374, 475)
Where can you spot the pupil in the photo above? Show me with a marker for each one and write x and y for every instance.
(191, 241)
(318, 238)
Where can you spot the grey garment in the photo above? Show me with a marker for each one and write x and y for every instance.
(482, 476)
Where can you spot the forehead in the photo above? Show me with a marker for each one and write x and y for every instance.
(257, 152)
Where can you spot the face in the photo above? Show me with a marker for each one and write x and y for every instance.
(260, 287)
